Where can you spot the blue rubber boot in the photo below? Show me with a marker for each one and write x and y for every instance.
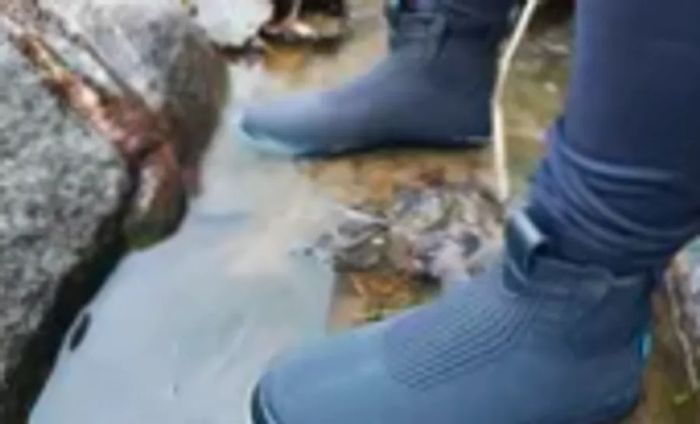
(535, 340)
(433, 89)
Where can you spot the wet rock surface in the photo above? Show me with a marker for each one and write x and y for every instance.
(232, 24)
(692, 303)
(671, 385)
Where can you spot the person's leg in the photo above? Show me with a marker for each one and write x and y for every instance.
(433, 89)
(620, 185)
(554, 333)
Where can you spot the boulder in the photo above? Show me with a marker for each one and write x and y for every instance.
(225, 21)
(151, 52)
(62, 189)
(103, 118)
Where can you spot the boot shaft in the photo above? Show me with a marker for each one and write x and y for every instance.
(586, 308)
(484, 10)
(441, 23)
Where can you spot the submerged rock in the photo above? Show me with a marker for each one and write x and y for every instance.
(434, 233)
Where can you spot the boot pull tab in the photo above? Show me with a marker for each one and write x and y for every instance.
(392, 9)
(524, 241)
(646, 345)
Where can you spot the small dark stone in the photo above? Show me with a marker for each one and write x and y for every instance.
(79, 332)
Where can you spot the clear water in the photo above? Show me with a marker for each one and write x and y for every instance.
(180, 332)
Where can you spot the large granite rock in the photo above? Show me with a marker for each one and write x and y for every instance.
(62, 186)
(225, 21)
(81, 180)
(153, 52)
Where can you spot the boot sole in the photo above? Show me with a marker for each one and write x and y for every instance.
(277, 147)
(262, 414)
(264, 144)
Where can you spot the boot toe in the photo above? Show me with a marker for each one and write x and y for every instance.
(264, 128)
(298, 125)
(331, 383)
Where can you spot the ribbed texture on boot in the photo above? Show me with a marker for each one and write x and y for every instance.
(464, 331)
